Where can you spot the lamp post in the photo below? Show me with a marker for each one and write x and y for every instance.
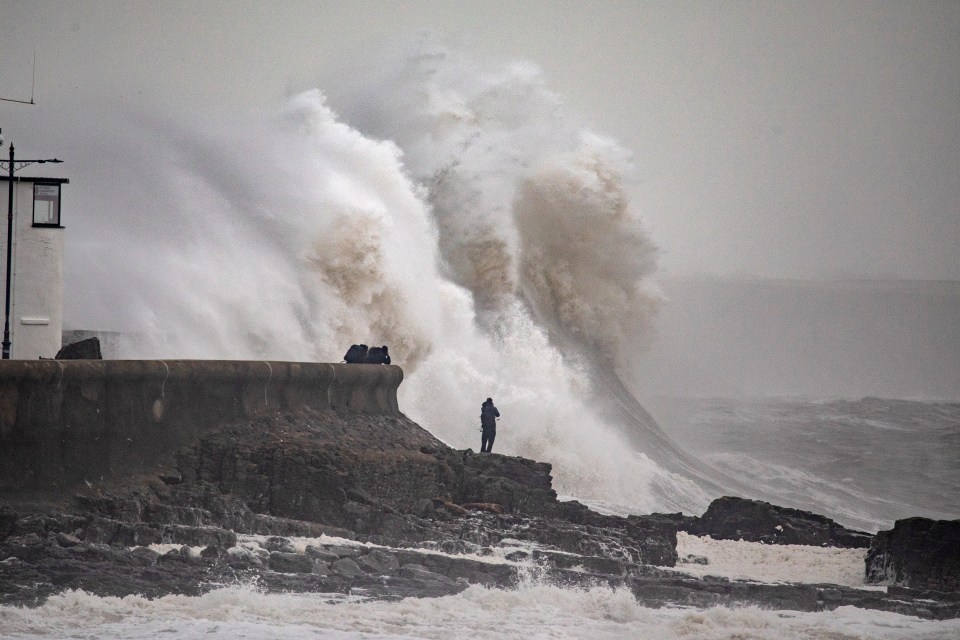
(12, 165)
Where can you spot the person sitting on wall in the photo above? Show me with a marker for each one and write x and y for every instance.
(356, 354)
(378, 355)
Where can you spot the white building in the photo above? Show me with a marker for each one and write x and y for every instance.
(36, 282)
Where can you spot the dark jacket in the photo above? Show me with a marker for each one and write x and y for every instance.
(355, 354)
(377, 355)
(488, 415)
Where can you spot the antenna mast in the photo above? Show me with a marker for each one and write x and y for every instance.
(32, 86)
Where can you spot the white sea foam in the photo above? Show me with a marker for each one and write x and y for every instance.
(532, 611)
(741, 560)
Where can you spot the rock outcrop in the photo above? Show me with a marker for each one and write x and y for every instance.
(88, 349)
(918, 553)
(370, 479)
(731, 518)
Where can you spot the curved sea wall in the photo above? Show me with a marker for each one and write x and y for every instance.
(63, 422)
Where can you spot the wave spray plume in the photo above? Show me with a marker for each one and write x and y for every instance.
(472, 227)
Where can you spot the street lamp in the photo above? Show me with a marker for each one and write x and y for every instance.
(12, 165)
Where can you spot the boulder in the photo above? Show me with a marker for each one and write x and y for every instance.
(514, 484)
(378, 562)
(730, 518)
(346, 567)
(88, 349)
(918, 553)
(290, 562)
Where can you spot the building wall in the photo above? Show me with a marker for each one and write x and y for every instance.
(36, 305)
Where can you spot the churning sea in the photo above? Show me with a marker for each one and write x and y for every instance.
(864, 462)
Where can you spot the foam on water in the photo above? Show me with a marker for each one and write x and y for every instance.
(537, 609)
(532, 611)
(739, 560)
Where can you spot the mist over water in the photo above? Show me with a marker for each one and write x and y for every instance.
(472, 227)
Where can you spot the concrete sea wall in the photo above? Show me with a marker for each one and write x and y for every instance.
(63, 422)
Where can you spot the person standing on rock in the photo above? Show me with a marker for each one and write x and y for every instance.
(488, 425)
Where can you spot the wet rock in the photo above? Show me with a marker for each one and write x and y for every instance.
(319, 553)
(731, 518)
(517, 485)
(424, 508)
(199, 536)
(290, 562)
(35, 524)
(592, 564)
(214, 552)
(418, 572)
(145, 555)
(105, 531)
(278, 543)
(918, 553)
(378, 562)
(489, 507)
(179, 556)
(429, 584)
(67, 540)
(242, 558)
(88, 349)
(346, 567)
(8, 520)
(31, 540)
(456, 546)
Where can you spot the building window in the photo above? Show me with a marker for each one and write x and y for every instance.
(46, 205)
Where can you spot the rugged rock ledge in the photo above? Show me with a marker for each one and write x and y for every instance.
(322, 501)
(732, 518)
(918, 553)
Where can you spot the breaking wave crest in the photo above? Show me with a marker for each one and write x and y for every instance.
(473, 227)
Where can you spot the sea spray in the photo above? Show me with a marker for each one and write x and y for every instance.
(292, 235)
(535, 220)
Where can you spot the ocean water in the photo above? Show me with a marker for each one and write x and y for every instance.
(865, 463)
(457, 213)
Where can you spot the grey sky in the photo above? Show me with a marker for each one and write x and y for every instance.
(779, 139)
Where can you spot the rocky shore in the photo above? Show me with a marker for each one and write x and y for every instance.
(373, 505)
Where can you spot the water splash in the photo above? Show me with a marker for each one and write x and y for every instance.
(487, 239)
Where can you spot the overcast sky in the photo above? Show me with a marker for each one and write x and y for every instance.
(774, 139)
